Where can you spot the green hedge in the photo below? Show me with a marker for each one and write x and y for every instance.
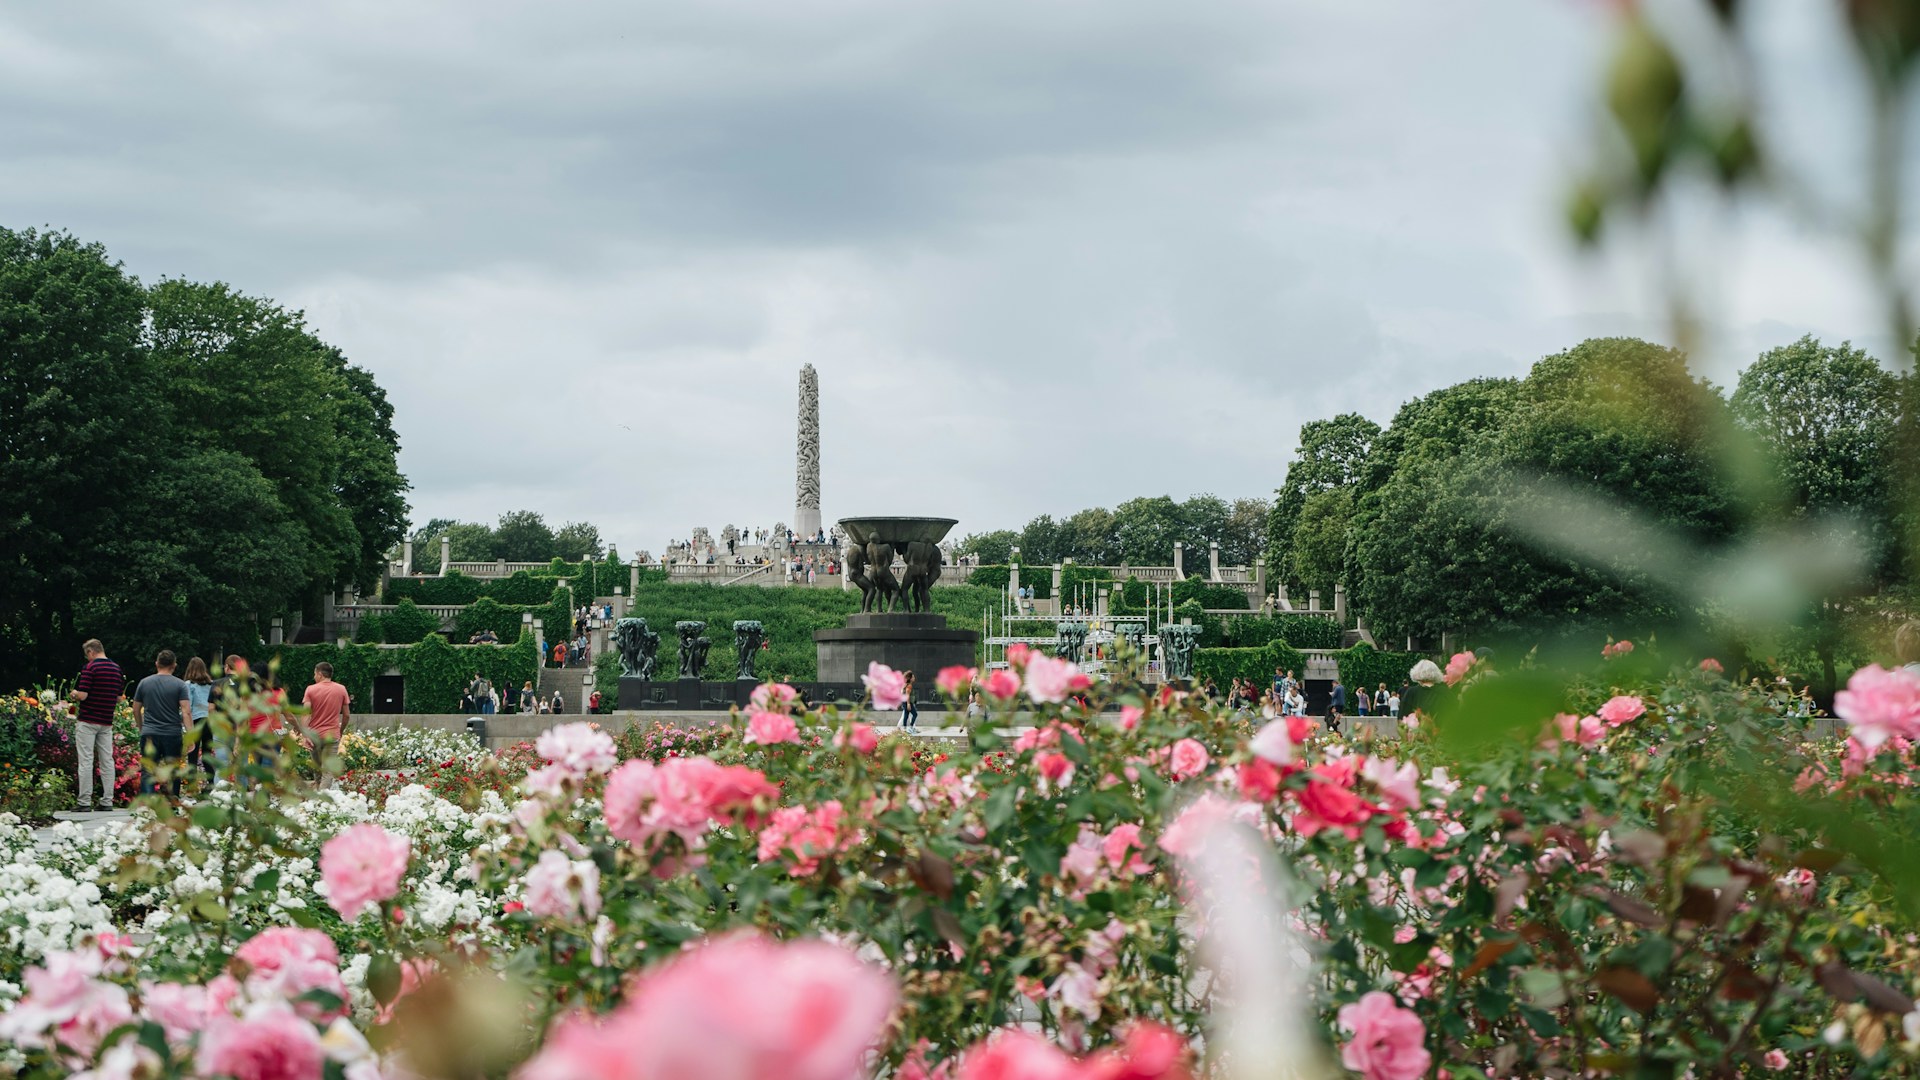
(436, 672)
(1364, 665)
(1225, 665)
(995, 577)
(590, 580)
(790, 616)
(1209, 596)
(1301, 631)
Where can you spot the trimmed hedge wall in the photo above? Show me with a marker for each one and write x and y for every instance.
(1364, 665)
(789, 615)
(436, 672)
(589, 581)
(1225, 665)
(995, 577)
(1301, 631)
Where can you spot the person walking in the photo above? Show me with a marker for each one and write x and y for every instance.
(161, 705)
(909, 709)
(97, 691)
(1336, 706)
(199, 730)
(482, 692)
(559, 703)
(593, 702)
(526, 703)
(560, 654)
(328, 713)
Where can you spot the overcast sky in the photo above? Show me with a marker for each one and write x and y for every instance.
(1044, 255)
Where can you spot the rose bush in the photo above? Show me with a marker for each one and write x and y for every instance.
(1624, 881)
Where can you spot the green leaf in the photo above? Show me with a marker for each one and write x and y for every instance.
(383, 978)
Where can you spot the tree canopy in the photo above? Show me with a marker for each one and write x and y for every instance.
(182, 461)
(1139, 532)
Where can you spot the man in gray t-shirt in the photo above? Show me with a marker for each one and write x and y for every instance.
(159, 703)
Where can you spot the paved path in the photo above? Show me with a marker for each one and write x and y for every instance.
(89, 822)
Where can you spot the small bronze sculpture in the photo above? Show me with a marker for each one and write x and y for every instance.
(693, 658)
(1177, 644)
(747, 637)
(886, 588)
(638, 648)
(922, 570)
(1072, 638)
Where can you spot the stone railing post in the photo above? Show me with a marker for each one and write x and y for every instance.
(1340, 603)
(1313, 599)
(1213, 560)
(1179, 561)
(1013, 579)
(446, 554)
(406, 557)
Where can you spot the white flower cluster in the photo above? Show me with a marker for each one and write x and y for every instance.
(41, 908)
(420, 748)
(56, 893)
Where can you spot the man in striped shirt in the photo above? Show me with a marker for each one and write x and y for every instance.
(99, 689)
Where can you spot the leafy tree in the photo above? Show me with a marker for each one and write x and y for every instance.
(994, 548)
(1827, 418)
(1146, 529)
(1203, 520)
(1040, 542)
(1243, 539)
(1089, 537)
(75, 396)
(523, 536)
(473, 542)
(1331, 455)
(1320, 540)
(1455, 540)
(577, 541)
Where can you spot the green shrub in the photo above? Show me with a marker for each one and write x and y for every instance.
(1301, 631)
(1211, 596)
(408, 623)
(371, 631)
(1039, 578)
(1364, 665)
(487, 613)
(436, 672)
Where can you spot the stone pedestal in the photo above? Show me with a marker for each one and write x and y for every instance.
(920, 642)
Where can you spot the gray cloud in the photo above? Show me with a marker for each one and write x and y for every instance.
(1044, 256)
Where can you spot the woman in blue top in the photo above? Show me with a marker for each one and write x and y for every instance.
(200, 732)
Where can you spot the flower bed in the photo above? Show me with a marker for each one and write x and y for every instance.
(1630, 886)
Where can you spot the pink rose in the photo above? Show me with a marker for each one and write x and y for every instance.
(1258, 780)
(771, 728)
(816, 1010)
(1879, 704)
(269, 1043)
(861, 738)
(579, 748)
(1621, 709)
(774, 697)
(1149, 1051)
(1018, 654)
(1399, 784)
(1130, 717)
(1775, 1060)
(179, 1008)
(1711, 666)
(1328, 802)
(1055, 767)
(1387, 1041)
(1017, 1055)
(286, 962)
(800, 838)
(953, 681)
(1187, 833)
(887, 686)
(1050, 679)
(1458, 667)
(1001, 684)
(581, 1047)
(1590, 731)
(629, 791)
(561, 888)
(1616, 648)
(1187, 760)
(361, 867)
(65, 999)
(1274, 743)
(1122, 848)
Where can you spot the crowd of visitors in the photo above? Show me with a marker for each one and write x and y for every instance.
(174, 712)
(482, 698)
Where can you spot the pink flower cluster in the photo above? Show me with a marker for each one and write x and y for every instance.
(1388, 1041)
(774, 697)
(683, 797)
(801, 838)
(887, 687)
(361, 867)
(771, 728)
(1458, 667)
(955, 680)
(1049, 679)
(1879, 704)
(1094, 860)
(248, 1028)
(561, 888)
(735, 1008)
(1615, 648)
(1148, 1052)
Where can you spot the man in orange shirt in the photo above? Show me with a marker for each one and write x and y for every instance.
(327, 712)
